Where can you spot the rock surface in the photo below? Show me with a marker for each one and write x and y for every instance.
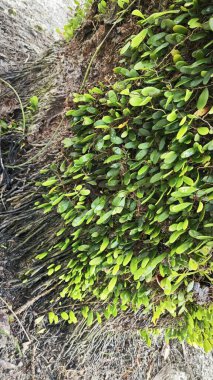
(27, 28)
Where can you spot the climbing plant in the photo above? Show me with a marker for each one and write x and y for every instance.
(80, 11)
(134, 190)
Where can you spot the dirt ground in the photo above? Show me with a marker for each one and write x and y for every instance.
(30, 349)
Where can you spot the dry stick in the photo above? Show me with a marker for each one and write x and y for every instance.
(95, 55)
(55, 134)
(20, 102)
(32, 301)
(2, 175)
(16, 317)
(33, 362)
(3, 171)
(101, 44)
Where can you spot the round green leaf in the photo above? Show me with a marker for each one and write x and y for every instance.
(150, 91)
(203, 131)
(169, 157)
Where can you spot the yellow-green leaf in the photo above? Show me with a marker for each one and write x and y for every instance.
(41, 255)
(112, 284)
(72, 317)
(180, 207)
(182, 132)
(166, 285)
(183, 247)
(99, 319)
(90, 318)
(172, 116)
(193, 265)
(104, 244)
(203, 99)
(127, 258)
(169, 157)
(51, 317)
(188, 95)
(203, 131)
(64, 315)
(95, 261)
(134, 265)
(138, 13)
(200, 207)
(115, 269)
(136, 41)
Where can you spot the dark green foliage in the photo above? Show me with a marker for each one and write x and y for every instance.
(135, 188)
